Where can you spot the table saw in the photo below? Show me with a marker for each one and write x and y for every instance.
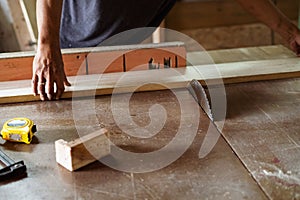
(256, 157)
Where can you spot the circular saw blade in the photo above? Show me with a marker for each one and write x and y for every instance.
(199, 94)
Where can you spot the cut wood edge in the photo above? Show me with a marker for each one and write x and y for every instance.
(82, 151)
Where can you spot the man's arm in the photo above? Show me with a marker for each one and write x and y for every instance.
(48, 68)
(268, 13)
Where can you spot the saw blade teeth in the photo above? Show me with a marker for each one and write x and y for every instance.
(199, 94)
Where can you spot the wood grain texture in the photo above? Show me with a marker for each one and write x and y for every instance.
(262, 127)
(82, 151)
(218, 176)
(150, 80)
(240, 54)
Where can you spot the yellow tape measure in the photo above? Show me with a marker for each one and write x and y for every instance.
(18, 130)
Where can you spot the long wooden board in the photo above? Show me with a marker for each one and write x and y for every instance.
(240, 54)
(81, 61)
(88, 85)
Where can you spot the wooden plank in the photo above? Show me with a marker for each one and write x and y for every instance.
(8, 41)
(19, 68)
(195, 14)
(82, 151)
(227, 73)
(21, 24)
(30, 6)
(240, 54)
(81, 61)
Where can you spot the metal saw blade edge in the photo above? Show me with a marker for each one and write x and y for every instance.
(199, 94)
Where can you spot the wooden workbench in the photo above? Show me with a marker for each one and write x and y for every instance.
(257, 157)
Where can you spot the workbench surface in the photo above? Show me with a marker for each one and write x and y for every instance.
(257, 157)
(218, 175)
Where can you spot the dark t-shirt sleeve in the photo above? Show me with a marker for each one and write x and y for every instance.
(88, 23)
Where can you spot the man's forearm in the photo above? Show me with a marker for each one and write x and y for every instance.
(48, 21)
(268, 13)
(48, 68)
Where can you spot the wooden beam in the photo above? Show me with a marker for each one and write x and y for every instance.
(82, 151)
(82, 61)
(22, 25)
(89, 85)
(8, 38)
(30, 6)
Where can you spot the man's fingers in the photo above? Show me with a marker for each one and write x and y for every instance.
(50, 86)
(41, 89)
(42, 93)
(60, 89)
(66, 82)
(34, 85)
(50, 90)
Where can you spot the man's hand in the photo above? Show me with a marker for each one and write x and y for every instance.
(294, 42)
(48, 70)
(48, 67)
(268, 13)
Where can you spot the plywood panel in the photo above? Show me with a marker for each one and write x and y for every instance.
(220, 175)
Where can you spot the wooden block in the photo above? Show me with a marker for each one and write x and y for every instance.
(82, 151)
